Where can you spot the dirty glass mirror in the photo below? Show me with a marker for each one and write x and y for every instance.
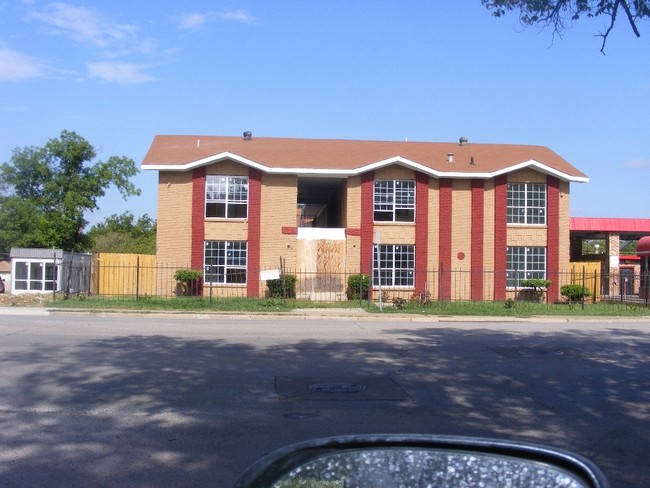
(420, 461)
(424, 468)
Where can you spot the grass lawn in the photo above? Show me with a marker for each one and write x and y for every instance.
(275, 305)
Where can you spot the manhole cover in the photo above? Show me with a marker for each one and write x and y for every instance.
(533, 352)
(337, 387)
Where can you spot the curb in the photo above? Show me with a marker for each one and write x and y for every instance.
(314, 314)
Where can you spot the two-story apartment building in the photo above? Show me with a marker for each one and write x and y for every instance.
(415, 216)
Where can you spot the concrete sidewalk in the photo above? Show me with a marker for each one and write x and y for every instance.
(316, 314)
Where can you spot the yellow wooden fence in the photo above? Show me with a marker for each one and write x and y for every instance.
(587, 273)
(123, 274)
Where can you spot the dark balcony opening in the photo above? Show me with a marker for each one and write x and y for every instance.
(320, 202)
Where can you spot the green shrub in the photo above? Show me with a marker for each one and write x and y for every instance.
(358, 286)
(538, 284)
(574, 293)
(187, 275)
(275, 287)
(533, 289)
(188, 282)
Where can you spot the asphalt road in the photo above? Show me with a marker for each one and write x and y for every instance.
(163, 401)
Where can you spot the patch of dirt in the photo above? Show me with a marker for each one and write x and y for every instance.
(24, 300)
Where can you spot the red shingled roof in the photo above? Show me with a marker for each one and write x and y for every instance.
(345, 157)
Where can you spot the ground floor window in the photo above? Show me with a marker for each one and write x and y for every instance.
(393, 265)
(225, 262)
(36, 276)
(524, 263)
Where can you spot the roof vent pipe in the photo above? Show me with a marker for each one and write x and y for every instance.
(450, 157)
(248, 135)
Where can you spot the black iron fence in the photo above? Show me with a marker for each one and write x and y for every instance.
(147, 280)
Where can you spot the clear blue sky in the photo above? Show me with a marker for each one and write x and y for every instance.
(118, 73)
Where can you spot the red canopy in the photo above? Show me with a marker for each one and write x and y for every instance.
(643, 246)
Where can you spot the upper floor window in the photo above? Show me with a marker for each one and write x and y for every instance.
(225, 262)
(226, 196)
(394, 265)
(527, 203)
(394, 201)
(525, 263)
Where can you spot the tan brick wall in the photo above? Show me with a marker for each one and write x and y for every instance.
(173, 239)
(488, 225)
(279, 203)
(526, 175)
(229, 168)
(461, 216)
(433, 248)
(527, 236)
(279, 197)
(461, 238)
(394, 172)
(352, 216)
(395, 233)
(352, 254)
(222, 230)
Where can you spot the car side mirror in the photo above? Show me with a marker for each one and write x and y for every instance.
(420, 461)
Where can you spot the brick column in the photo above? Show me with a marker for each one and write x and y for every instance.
(500, 235)
(254, 232)
(367, 223)
(553, 237)
(198, 218)
(444, 281)
(421, 230)
(198, 222)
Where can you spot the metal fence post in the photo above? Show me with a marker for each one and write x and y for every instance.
(54, 276)
(137, 277)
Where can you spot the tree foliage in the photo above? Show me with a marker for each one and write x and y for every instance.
(45, 192)
(561, 13)
(124, 234)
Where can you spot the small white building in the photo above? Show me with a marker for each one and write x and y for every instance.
(36, 270)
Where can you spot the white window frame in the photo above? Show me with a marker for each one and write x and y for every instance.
(396, 265)
(526, 203)
(525, 263)
(394, 199)
(35, 282)
(225, 260)
(231, 192)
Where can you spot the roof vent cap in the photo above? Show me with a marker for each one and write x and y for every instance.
(463, 140)
(248, 135)
(450, 157)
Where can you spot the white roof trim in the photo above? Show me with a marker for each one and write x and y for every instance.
(368, 167)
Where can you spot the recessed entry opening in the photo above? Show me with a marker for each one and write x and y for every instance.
(320, 202)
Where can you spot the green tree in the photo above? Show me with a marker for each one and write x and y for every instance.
(45, 192)
(561, 13)
(122, 233)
